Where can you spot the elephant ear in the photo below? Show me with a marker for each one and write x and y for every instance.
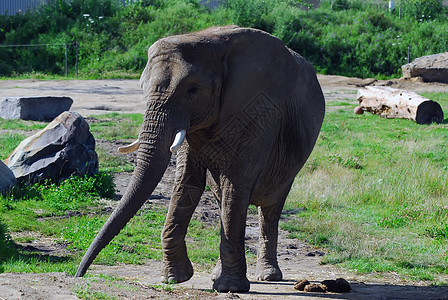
(256, 63)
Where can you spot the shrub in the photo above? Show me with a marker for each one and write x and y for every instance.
(353, 38)
(421, 10)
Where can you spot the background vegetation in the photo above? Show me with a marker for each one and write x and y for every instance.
(353, 38)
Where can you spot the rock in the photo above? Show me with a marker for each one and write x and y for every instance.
(431, 68)
(64, 148)
(34, 108)
(7, 178)
(301, 284)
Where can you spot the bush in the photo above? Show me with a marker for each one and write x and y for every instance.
(421, 10)
(352, 38)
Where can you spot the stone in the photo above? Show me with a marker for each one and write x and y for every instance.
(34, 108)
(431, 68)
(63, 148)
(7, 178)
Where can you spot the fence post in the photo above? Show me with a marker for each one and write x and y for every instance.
(66, 60)
(77, 58)
(409, 54)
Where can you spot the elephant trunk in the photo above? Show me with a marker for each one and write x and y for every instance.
(152, 160)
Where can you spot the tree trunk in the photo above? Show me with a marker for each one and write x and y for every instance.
(394, 103)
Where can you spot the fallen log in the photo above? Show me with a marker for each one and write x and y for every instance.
(393, 103)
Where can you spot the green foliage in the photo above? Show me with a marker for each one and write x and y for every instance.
(350, 38)
(421, 10)
(56, 198)
(72, 193)
(439, 231)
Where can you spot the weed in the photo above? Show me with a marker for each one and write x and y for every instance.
(87, 293)
(349, 162)
(437, 232)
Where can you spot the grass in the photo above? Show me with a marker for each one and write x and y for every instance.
(374, 194)
(115, 126)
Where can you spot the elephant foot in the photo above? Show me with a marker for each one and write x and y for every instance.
(177, 271)
(268, 272)
(231, 283)
(216, 271)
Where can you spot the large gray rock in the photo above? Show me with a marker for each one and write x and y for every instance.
(7, 178)
(34, 108)
(431, 68)
(65, 147)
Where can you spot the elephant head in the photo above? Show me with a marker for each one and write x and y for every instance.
(250, 110)
(182, 83)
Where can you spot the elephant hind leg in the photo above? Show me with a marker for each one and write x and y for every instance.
(267, 265)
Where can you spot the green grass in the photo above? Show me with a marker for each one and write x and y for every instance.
(136, 243)
(115, 126)
(24, 206)
(9, 142)
(113, 163)
(10, 139)
(374, 193)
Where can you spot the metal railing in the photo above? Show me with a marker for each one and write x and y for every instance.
(64, 46)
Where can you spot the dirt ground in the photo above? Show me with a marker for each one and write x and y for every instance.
(297, 259)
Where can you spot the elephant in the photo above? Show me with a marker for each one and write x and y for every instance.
(243, 112)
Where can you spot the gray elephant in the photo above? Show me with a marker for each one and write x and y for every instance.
(244, 112)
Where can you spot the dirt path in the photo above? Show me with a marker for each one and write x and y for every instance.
(297, 259)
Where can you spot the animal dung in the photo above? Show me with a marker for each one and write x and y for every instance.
(300, 285)
(340, 285)
(315, 288)
(358, 110)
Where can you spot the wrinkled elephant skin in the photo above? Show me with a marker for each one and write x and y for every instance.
(252, 110)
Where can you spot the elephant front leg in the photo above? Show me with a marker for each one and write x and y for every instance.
(187, 192)
(231, 275)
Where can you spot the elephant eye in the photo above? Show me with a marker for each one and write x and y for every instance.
(193, 93)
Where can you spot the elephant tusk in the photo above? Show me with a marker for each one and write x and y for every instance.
(130, 148)
(178, 141)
